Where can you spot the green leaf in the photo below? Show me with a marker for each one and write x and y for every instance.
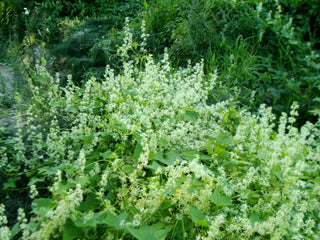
(154, 166)
(254, 217)
(223, 140)
(43, 205)
(49, 170)
(189, 155)
(253, 198)
(163, 143)
(91, 203)
(10, 183)
(157, 122)
(315, 65)
(92, 219)
(191, 116)
(115, 221)
(35, 180)
(137, 151)
(315, 111)
(219, 199)
(83, 180)
(15, 230)
(55, 103)
(70, 231)
(165, 205)
(155, 232)
(316, 180)
(72, 109)
(168, 158)
(43, 202)
(171, 157)
(128, 169)
(221, 153)
(87, 139)
(107, 154)
(198, 217)
(160, 157)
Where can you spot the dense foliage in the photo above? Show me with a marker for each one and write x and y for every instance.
(191, 121)
(271, 47)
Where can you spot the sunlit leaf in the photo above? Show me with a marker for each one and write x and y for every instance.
(154, 232)
(191, 116)
(70, 231)
(115, 221)
(15, 230)
(198, 217)
(219, 199)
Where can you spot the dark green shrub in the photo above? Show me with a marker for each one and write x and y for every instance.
(81, 51)
(260, 46)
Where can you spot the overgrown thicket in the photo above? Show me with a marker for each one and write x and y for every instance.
(270, 47)
(190, 121)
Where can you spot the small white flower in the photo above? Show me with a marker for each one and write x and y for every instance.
(26, 11)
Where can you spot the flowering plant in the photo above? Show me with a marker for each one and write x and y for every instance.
(142, 154)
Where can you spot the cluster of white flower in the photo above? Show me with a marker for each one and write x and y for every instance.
(4, 230)
(56, 218)
(167, 145)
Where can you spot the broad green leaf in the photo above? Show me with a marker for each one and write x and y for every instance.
(163, 142)
(49, 170)
(10, 183)
(106, 154)
(35, 180)
(87, 139)
(157, 122)
(92, 219)
(316, 180)
(316, 99)
(253, 198)
(315, 65)
(15, 230)
(198, 217)
(43, 202)
(131, 91)
(70, 231)
(154, 166)
(254, 217)
(42, 211)
(91, 203)
(219, 199)
(171, 157)
(165, 205)
(120, 100)
(128, 169)
(137, 151)
(83, 180)
(191, 116)
(189, 155)
(223, 140)
(315, 111)
(110, 196)
(56, 103)
(154, 232)
(72, 109)
(160, 157)
(115, 221)
(43, 205)
(221, 153)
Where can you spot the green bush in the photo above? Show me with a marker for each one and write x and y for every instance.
(268, 47)
(142, 155)
(81, 48)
